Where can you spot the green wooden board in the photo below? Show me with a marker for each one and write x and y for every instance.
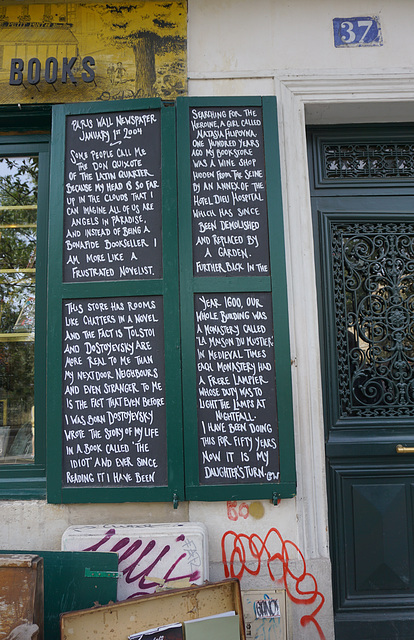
(66, 588)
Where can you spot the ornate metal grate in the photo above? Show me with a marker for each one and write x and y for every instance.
(368, 161)
(373, 271)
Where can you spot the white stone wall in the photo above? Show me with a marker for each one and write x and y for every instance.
(262, 47)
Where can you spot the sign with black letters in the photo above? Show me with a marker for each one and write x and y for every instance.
(228, 190)
(236, 392)
(112, 222)
(114, 392)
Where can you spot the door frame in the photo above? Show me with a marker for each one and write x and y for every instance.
(314, 99)
(310, 98)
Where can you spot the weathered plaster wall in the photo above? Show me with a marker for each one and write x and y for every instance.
(273, 34)
(39, 526)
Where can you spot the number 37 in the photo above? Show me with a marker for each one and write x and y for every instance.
(357, 31)
(350, 34)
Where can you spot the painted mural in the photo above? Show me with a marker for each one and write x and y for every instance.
(77, 52)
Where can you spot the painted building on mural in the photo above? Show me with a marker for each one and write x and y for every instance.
(308, 248)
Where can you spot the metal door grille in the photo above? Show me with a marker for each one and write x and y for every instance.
(373, 273)
(367, 161)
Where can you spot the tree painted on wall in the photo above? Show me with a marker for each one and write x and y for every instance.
(148, 28)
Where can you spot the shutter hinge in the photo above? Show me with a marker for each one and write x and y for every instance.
(275, 498)
(102, 574)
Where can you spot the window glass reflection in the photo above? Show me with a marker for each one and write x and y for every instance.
(18, 211)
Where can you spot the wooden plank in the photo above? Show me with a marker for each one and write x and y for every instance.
(118, 621)
(21, 596)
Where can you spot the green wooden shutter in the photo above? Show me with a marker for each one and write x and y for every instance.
(231, 128)
(259, 468)
(163, 289)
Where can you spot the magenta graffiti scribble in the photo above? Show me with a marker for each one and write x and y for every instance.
(139, 567)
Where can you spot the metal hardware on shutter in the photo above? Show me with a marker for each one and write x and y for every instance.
(102, 574)
(275, 498)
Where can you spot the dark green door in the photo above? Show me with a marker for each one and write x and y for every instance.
(363, 207)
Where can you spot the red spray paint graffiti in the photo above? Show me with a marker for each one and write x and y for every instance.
(301, 586)
(234, 514)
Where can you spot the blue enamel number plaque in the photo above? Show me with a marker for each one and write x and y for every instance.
(357, 32)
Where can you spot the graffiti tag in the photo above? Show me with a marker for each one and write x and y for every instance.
(249, 552)
(138, 560)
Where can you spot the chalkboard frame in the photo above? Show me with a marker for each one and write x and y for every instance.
(274, 283)
(167, 287)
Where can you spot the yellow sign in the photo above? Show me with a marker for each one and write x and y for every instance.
(81, 52)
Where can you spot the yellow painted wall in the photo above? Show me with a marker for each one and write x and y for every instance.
(139, 49)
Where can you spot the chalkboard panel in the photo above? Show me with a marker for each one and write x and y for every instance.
(114, 421)
(112, 197)
(228, 192)
(236, 390)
